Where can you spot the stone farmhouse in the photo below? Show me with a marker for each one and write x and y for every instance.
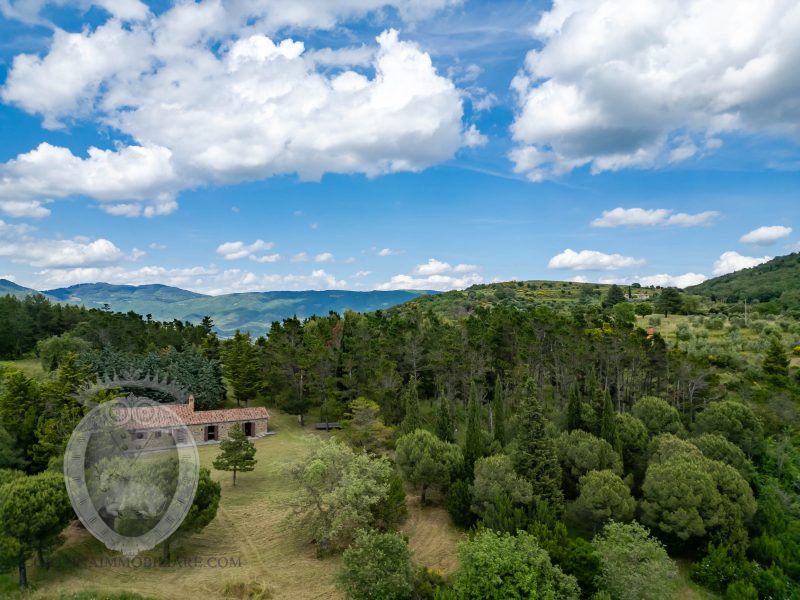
(158, 427)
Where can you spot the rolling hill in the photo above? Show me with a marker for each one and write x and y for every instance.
(519, 294)
(777, 278)
(253, 311)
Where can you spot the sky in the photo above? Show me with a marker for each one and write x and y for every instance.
(250, 145)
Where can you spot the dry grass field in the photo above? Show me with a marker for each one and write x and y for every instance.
(266, 557)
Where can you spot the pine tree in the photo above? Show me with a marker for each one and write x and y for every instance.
(614, 296)
(775, 362)
(575, 408)
(444, 421)
(499, 408)
(473, 444)
(237, 453)
(411, 422)
(535, 457)
(607, 423)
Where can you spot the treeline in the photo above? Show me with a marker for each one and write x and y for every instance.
(27, 321)
(327, 362)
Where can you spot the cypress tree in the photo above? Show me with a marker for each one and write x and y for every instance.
(499, 408)
(473, 444)
(535, 457)
(575, 408)
(412, 421)
(444, 421)
(607, 423)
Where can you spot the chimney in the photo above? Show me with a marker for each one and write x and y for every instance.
(191, 403)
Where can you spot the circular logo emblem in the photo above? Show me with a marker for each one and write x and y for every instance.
(131, 468)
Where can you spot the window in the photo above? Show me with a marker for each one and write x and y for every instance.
(249, 429)
(139, 435)
(158, 434)
(211, 432)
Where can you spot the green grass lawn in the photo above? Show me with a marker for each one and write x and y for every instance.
(32, 367)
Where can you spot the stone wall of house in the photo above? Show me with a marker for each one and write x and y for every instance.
(150, 440)
(223, 429)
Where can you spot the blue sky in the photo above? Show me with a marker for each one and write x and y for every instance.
(408, 144)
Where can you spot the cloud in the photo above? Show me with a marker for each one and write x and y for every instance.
(731, 261)
(238, 250)
(666, 280)
(300, 257)
(255, 106)
(360, 274)
(434, 275)
(432, 267)
(766, 236)
(474, 138)
(19, 245)
(388, 252)
(267, 258)
(641, 217)
(64, 253)
(615, 85)
(464, 268)
(592, 260)
(324, 257)
(24, 208)
(131, 181)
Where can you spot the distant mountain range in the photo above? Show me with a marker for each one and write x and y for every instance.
(253, 311)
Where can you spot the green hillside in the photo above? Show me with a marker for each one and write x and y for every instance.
(777, 280)
(9, 288)
(520, 294)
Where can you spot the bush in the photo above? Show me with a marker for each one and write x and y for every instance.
(377, 565)
(458, 503)
(717, 570)
(498, 566)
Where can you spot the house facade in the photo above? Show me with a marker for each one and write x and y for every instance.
(160, 427)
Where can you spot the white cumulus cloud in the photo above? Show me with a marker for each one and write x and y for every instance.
(766, 236)
(592, 260)
(238, 250)
(619, 84)
(255, 107)
(434, 275)
(731, 261)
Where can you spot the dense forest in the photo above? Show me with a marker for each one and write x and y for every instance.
(582, 450)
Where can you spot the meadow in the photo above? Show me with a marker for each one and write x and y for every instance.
(266, 557)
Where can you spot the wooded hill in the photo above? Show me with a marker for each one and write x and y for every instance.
(776, 281)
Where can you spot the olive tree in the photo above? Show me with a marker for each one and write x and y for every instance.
(340, 490)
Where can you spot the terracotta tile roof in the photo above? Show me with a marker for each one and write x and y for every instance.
(174, 414)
